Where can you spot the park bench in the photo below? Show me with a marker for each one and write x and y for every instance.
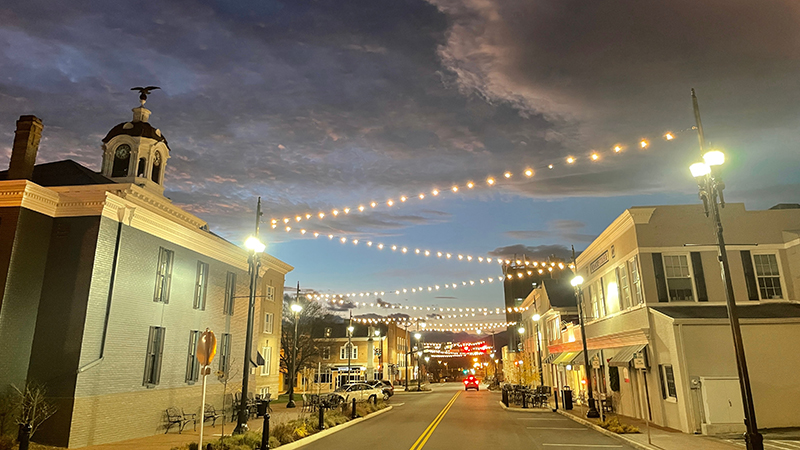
(176, 416)
(210, 413)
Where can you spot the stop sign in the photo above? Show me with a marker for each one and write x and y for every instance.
(206, 347)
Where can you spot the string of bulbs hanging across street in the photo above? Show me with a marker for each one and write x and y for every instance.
(456, 311)
(489, 181)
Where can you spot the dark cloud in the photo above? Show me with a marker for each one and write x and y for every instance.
(539, 252)
(559, 230)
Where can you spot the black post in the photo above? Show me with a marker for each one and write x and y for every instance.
(354, 409)
(265, 431)
(524, 399)
(711, 193)
(321, 417)
(293, 366)
(592, 412)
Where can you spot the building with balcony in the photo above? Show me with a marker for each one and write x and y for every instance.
(106, 285)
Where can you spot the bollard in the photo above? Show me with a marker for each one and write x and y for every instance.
(263, 406)
(524, 399)
(321, 417)
(24, 436)
(505, 397)
(555, 397)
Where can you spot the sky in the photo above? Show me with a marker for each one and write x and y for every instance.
(322, 105)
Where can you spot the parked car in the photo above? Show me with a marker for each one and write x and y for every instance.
(359, 391)
(385, 385)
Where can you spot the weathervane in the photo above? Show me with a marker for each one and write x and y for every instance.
(144, 91)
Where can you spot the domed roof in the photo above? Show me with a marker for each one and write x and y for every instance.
(136, 129)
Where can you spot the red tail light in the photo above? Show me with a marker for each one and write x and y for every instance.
(466, 381)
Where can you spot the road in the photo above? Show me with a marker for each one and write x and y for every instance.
(450, 418)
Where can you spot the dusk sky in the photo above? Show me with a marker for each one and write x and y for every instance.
(322, 105)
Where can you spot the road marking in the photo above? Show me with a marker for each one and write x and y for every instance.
(544, 418)
(583, 445)
(398, 404)
(558, 428)
(423, 438)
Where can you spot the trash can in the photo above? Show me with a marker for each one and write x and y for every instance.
(566, 398)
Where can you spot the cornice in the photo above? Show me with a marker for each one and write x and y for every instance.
(625, 221)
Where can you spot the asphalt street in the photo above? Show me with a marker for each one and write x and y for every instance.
(450, 418)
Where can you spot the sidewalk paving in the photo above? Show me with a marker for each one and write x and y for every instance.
(279, 414)
(660, 438)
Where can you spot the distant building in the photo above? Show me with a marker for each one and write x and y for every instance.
(105, 286)
(656, 318)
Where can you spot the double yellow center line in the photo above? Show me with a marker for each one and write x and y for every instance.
(429, 431)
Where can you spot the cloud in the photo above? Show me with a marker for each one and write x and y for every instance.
(563, 230)
(539, 252)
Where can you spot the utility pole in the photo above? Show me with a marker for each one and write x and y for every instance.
(255, 265)
(711, 187)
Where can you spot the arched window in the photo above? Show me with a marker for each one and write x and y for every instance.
(122, 161)
(142, 167)
(156, 174)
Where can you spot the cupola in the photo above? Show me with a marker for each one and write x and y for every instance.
(135, 151)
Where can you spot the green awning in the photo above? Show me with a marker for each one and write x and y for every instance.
(550, 358)
(565, 358)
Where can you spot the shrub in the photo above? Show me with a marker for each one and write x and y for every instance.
(7, 443)
(614, 425)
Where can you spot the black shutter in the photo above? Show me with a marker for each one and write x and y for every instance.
(160, 332)
(661, 381)
(749, 275)
(148, 360)
(699, 278)
(661, 282)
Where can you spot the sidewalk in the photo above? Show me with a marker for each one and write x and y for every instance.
(279, 414)
(660, 438)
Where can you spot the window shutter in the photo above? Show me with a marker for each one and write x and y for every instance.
(148, 361)
(661, 381)
(749, 275)
(160, 352)
(661, 282)
(699, 278)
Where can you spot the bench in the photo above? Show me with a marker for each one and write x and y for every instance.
(176, 416)
(210, 413)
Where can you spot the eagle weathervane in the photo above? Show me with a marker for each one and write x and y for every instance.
(144, 92)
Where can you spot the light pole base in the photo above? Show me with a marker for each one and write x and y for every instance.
(754, 441)
(241, 428)
(290, 404)
(592, 413)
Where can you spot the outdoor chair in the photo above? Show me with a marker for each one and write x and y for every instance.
(210, 413)
(177, 417)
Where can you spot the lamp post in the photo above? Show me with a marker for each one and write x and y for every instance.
(381, 370)
(536, 318)
(408, 349)
(710, 184)
(255, 247)
(350, 330)
(418, 336)
(576, 283)
(296, 308)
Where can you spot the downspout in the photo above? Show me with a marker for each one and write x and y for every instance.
(97, 361)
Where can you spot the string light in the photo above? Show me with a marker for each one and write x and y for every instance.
(528, 172)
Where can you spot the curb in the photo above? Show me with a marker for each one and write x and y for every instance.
(610, 434)
(533, 410)
(327, 432)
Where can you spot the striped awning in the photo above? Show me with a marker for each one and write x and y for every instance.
(565, 358)
(550, 358)
(625, 355)
(578, 360)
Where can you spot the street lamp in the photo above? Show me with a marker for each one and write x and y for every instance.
(576, 282)
(350, 330)
(711, 185)
(296, 308)
(536, 318)
(419, 369)
(381, 371)
(255, 247)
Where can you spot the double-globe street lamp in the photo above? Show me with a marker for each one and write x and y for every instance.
(576, 283)
(296, 308)
(418, 337)
(710, 183)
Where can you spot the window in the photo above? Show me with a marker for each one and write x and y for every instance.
(152, 362)
(636, 282)
(326, 353)
(554, 329)
(679, 281)
(769, 279)
(192, 364)
(163, 275)
(268, 323)
(266, 352)
(142, 167)
(200, 286)
(668, 389)
(156, 174)
(122, 161)
(325, 376)
(343, 352)
(224, 352)
(270, 294)
(230, 294)
(328, 332)
(624, 287)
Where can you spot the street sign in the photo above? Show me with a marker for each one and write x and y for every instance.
(595, 363)
(206, 347)
(638, 361)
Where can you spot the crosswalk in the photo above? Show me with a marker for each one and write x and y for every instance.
(769, 444)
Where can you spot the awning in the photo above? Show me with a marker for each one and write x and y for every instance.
(549, 359)
(625, 355)
(565, 358)
(578, 360)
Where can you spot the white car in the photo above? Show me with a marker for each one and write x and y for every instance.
(359, 391)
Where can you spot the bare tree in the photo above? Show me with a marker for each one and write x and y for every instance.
(224, 376)
(33, 406)
(308, 321)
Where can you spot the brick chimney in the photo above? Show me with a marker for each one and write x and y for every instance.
(26, 145)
